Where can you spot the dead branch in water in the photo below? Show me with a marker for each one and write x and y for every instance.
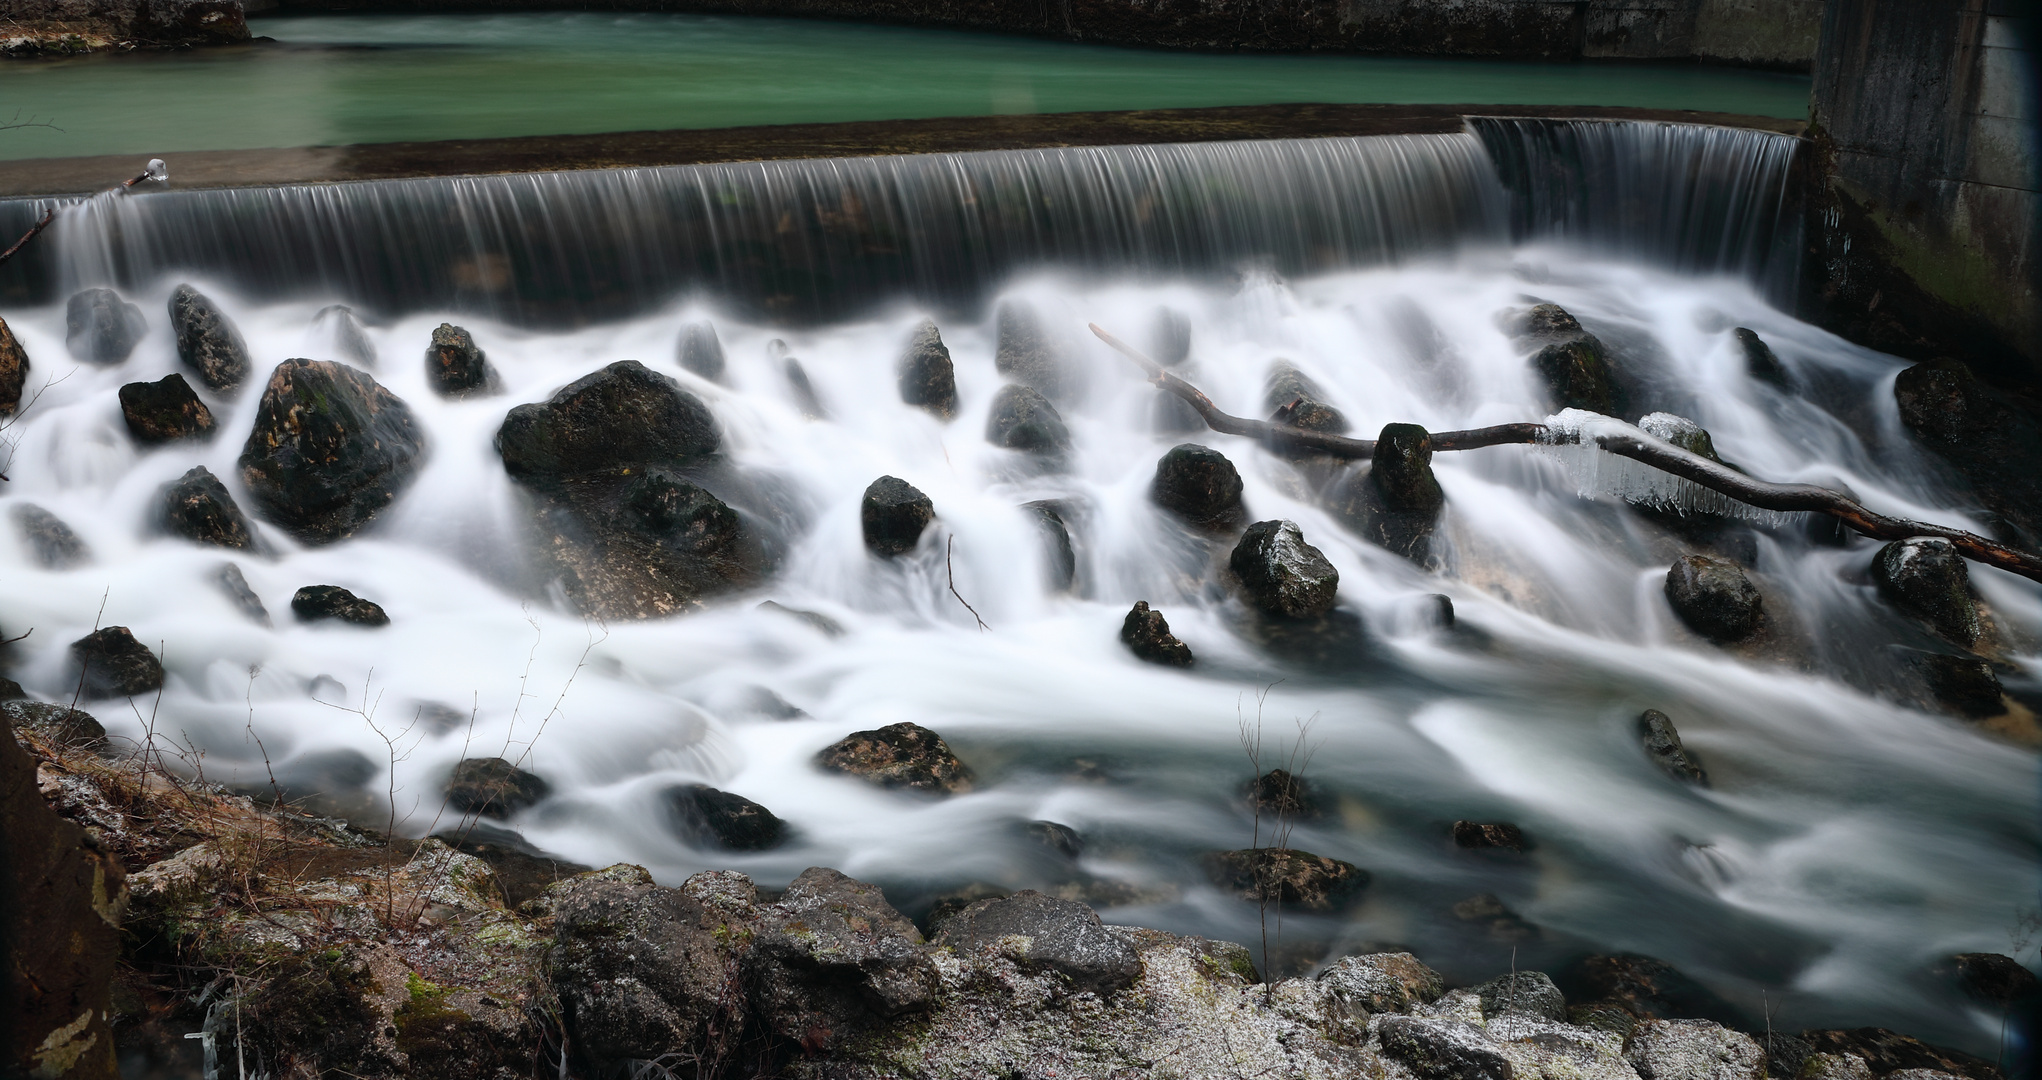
(1670, 459)
(153, 172)
(949, 545)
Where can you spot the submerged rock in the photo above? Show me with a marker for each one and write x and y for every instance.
(1759, 360)
(111, 663)
(1287, 876)
(623, 415)
(207, 341)
(1992, 439)
(235, 584)
(1027, 355)
(1531, 993)
(1063, 557)
(1147, 635)
(199, 508)
(1170, 337)
(1285, 796)
(832, 958)
(344, 330)
(1662, 744)
(493, 787)
(898, 756)
(1714, 598)
(1200, 485)
(1489, 834)
(1281, 574)
(1924, 577)
(164, 411)
(1693, 1050)
(315, 603)
(707, 817)
(928, 379)
(100, 327)
(1059, 839)
(701, 352)
(805, 397)
(1966, 685)
(52, 542)
(1022, 419)
(1994, 979)
(330, 449)
(455, 367)
(1488, 911)
(1395, 504)
(1042, 934)
(13, 370)
(893, 515)
(1572, 363)
(1293, 398)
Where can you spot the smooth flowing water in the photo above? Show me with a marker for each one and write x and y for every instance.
(1846, 841)
(336, 80)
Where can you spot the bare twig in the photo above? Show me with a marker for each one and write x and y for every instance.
(17, 637)
(948, 545)
(152, 172)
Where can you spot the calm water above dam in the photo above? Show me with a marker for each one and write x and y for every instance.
(336, 80)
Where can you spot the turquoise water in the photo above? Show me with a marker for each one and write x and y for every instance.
(333, 80)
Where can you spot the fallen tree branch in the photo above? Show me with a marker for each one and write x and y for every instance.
(154, 171)
(1670, 459)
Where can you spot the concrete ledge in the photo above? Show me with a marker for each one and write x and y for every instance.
(548, 153)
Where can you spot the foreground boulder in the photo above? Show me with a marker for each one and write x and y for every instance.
(928, 379)
(623, 415)
(111, 663)
(207, 341)
(166, 410)
(893, 515)
(1572, 363)
(1200, 485)
(1924, 577)
(199, 508)
(1023, 419)
(1293, 398)
(1384, 982)
(1043, 934)
(1663, 746)
(1395, 504)
(101, 328)
(1298, 879)
(59, 724)
(54, 544)
(1714, 598)
(315, 603)
(1147, 635)
(13, 370)
(455, 367)
(832, 958)
(1530, 993)
(330, 449)
(707, 817)
(1693, 1050)
(1282, 575)
(898, 756)
(493, 787)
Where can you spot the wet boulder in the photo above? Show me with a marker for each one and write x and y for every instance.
(1642, 986)
(1284, 796)
(207, 341)
(1063, 557)
(1058, 839)
(1147, 635)
(706, 817)
(701, 352)
(1681, 432)
(493, 787)
(455, 367)
(1396, 502)
(1297, 879)
(1924, 577)
(1966, 685)
(1438, 1048)
(166, 410)
(13, 370)
(339, 326)
(1500, 835)
(1991, 438)
(1573, 364)
(1994, 978)
(623, 415)
(898, 756)
(1760, 362)
(234, 585)
(685, 514)
(1528, 993)
(1293, 398)
(110, 663)
(1200, 485)
(928, 380)
(1022, 419)
(1045, 935)
(330, 449)
(641, 970)
(1693, 1050)
(1027, 354)
(199, 508)
(1714, 598)
(1662, 745)
(54, 544)
(1281, 575)
(893, 515)
(832, 958)
(315, 603)
(101, 328)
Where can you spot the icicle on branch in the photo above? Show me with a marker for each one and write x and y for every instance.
(1612, 437)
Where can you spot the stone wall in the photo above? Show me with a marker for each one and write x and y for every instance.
(1923, 227)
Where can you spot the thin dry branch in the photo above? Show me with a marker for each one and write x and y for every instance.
(1785, 498)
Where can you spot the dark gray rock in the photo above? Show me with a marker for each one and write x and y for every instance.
(1384, 982)
(898, 756)
(1061, 840)
(1059, 936)
(330, 449)
(894, 514)
(166, 410)
(1966, 685)
(1435, 1048)
(1759, 360)
(493, 787)
(1498, 922)
(683, 514)
(57, 723)
(1489, 834)
(1293, 398)
(235, 584)
(1147, 635)
(111, 663)
(315, 603)
(1714, 598)
(1662, 744)
(1531, 993)
(1396, 502)
(1200, 485)
(701, 352)
(1573, 364)
(1026, 354)
(1924, 577)
(641, 970)
(928, 379)
(1063, 557)
(706, 817)
(623, 415)
(101, 328)
(52, 542)
(350, 341)
(832, 958)
(207, 341)
(1298, 879)
(1022, 419)
(1282, 575)
(13, 370)
(1691, 1049)
(199, 508)
(1995, 979)
(1281, 795)
(455, 367)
